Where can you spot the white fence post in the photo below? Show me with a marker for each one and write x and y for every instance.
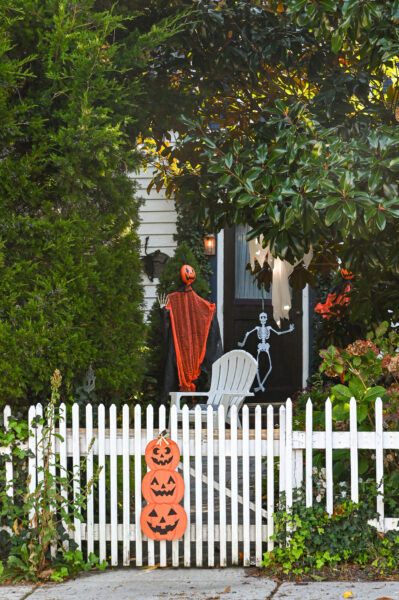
(9, 465)
(353, 451)
(222, 487)
(270, 477)
(329, 458)
(379, 462)
(309, 453)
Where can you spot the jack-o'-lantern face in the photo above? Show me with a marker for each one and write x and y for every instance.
(162, 454)
(163, 521)
(162, 487)
(187, 274)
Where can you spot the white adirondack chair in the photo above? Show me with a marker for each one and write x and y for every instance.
(232, 377)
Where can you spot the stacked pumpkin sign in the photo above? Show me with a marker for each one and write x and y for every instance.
(163, 518)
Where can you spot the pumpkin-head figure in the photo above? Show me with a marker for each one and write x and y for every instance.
(345, 274)
(162, 454)
(162, 487)
(187, 274)
(163, 521)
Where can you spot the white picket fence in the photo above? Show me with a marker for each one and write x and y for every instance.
(228, 473)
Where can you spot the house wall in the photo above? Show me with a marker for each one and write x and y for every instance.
(158, 221)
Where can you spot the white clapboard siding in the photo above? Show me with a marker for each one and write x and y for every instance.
(158, 223)
(229, 475)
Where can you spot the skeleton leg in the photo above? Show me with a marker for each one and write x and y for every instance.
(260, 387)
(267, 374)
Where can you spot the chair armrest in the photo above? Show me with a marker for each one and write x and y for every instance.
(245, 394)
(175, 397)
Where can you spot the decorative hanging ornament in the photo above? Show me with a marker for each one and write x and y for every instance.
(281, 269)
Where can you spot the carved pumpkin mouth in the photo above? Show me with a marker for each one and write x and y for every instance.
(161, 462)
(164, 492)
(163, 530)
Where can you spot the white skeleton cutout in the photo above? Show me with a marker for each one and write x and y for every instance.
(263, 333)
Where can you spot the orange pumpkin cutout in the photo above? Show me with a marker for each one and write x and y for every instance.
(162, 487)
(162, 454)
(163, 521)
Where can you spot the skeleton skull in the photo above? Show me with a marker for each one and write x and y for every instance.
(263, 318)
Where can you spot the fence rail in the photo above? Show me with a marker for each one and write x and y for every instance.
(232, 476)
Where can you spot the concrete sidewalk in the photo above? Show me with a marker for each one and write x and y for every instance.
(194, 584)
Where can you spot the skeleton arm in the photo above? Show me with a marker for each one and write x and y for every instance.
(241, 344)
(291, 328)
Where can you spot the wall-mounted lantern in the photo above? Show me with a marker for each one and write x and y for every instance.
(210, 244)
(153, 262)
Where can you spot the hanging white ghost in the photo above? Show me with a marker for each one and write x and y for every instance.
(281, 269)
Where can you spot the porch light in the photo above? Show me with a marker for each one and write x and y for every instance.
(210, 244)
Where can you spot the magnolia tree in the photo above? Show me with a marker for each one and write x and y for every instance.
(294, 131)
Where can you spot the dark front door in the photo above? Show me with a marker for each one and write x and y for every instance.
(242, 307)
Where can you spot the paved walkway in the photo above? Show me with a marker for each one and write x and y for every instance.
(194, 584)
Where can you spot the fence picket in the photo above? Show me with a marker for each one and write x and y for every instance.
(245, 483)
(150, 436)
(379, 462)
(89, 480)
(329, 458)
(126, 486)
(270, 477)
(288, 454)
(62, 428)
(186, 477)
(9, 465)
(101, 483)
(32, 454)
(210, 488)
(162, 545)
(282, 445)
(353, 450)
(137, 484)
(113, 477)
(222, 487)
(309, 453)
(39, 444)
(174, 437)
(198, 487)
(234, 486)
(76, 471)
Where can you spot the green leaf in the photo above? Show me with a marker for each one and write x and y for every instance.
(380, 220)
(336, 41)
(228, 161)
(350, 209)
(326, 202)
(341, 390)
(253, 173)
(373, 393)
(333, 214)
(362, 412)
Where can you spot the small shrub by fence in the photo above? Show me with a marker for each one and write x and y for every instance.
(233, 477)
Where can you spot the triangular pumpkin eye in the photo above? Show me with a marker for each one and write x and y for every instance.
(171, 480)
(155, 480)
(153, 514)
(171, 512)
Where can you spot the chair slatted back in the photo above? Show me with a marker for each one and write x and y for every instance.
(232, 372)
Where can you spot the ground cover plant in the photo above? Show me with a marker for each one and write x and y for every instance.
(36, 526)
(310, 542)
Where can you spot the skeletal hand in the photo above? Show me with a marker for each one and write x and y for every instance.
(162, 299)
